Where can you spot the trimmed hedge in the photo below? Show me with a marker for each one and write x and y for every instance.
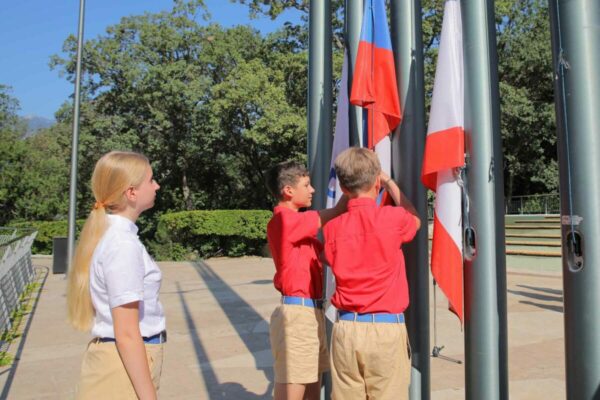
(183, 235)
(46, 231)
(205, 233)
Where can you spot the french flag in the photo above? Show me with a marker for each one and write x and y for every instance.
(374, 84)
(444, 155)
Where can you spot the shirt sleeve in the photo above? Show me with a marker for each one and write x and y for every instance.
(328, 246)
(123, 267)
(303, 225)
(407, 226)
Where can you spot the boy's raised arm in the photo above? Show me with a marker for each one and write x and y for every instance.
(330, 213)
(399, 198)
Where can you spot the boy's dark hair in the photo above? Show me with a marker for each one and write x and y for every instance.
(283, 174)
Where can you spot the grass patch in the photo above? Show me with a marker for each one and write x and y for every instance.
(6, 359)
(23, 309)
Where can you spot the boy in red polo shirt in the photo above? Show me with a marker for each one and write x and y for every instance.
(297, 328)
(369, 345)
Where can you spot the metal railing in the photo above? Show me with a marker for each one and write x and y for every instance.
(519, 205)
(16, 269)
(533, 204)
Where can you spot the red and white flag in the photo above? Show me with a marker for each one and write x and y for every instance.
(374, 84)
(444, 154)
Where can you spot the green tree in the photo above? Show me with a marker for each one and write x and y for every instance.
(525, 72)
(12, 151)
(527, 98)
(211, 107)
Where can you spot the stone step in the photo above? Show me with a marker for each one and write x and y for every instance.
(532, 243)
(533, 253)
(533, 236)
(532, 227)
(537, 221)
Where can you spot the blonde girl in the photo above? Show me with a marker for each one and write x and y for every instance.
(113, 285)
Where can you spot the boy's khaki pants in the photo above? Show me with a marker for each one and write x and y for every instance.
(369, 360)
(103, 375)
(298, 343)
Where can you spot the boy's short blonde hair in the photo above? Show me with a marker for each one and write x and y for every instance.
(357, 169)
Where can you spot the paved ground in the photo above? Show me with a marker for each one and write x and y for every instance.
(217, 313)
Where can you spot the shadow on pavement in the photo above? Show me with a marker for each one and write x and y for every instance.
(556, 292)
(242, 317)
(216, 390)
(540, 294)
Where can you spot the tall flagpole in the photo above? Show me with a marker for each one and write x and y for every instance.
(486, 369)
(408, 146)
(352, 22)
(75, 140)
(576, 56)
(320, 93)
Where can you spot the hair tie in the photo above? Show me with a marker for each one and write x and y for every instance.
(98, 205)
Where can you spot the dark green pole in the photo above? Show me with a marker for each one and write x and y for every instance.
(319, 98)
(576, 56)
(408, 145)
(486, 370)
(353, 22)
(75, 140)
(320, 93)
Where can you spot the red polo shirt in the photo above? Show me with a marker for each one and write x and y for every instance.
(363, 247)
(295, 249)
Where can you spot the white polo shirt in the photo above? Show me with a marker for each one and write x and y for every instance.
(122, 272)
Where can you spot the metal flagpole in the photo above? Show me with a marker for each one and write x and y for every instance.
(436, 350)
(408, 144)
(352, 24)
(320, 93)
(575, 38)
(486, 370)
(75, 140)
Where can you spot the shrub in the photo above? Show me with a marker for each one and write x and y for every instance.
(206, 233)
(46, 231)
(183, 235)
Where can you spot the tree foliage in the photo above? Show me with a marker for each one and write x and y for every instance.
(214, 107)
(211, 107)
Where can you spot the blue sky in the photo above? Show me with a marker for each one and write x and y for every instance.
(33, 30)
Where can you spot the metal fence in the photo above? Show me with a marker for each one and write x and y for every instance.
(16, 269)
(519, 205)
(534, 204)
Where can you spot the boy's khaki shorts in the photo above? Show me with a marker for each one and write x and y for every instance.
(369, 360)
(103, 375)
(298, 343)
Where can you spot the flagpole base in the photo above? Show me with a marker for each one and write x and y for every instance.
(435, 352)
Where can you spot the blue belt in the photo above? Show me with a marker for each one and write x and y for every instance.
(302, 301)
(155, 339)
(371, 317)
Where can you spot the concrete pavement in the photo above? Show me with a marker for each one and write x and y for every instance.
(218, 348)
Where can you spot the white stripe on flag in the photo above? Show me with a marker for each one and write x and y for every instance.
(341, 138)
(447, 111)
(341, 141)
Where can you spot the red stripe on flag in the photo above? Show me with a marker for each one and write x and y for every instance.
(374, 87)
(447, 267)
(443, 150)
